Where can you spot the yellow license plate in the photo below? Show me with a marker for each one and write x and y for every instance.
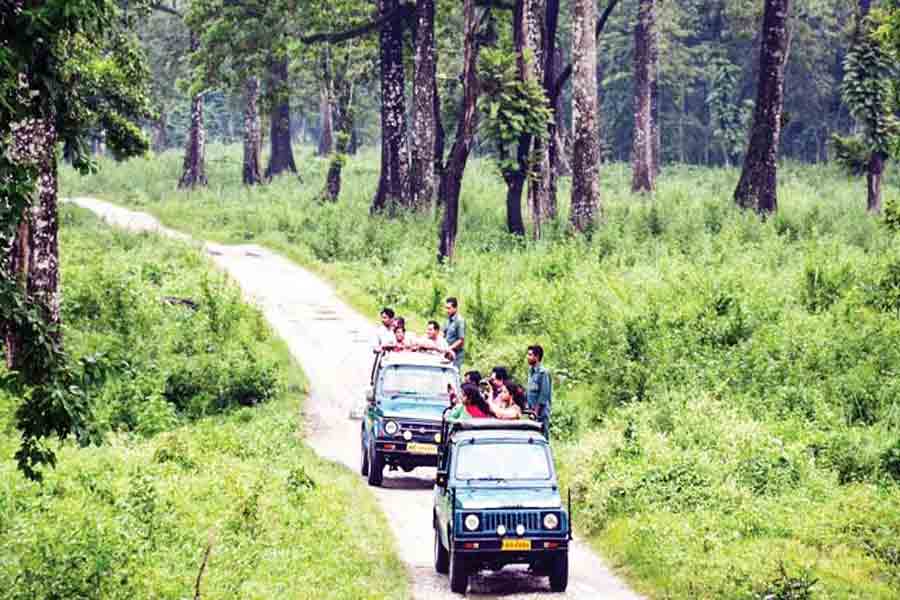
(415, 448)
(516, 544)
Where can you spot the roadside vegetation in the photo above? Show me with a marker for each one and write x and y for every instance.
(727, 388)
(196, 454)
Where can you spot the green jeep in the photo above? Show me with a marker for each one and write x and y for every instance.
(401, 428)
(497, 502)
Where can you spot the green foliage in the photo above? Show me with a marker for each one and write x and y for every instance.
(870, 70)
(727, 387)
(511, 108)
(851, 153)
(131, 518)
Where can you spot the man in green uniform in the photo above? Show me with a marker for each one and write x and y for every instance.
(539, 392)
(455, 332)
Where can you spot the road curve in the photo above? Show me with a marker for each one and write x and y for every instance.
(332, 343)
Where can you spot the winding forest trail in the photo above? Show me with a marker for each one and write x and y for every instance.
(332, 343)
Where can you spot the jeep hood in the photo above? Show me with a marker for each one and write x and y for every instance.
(407, 407)
(502, 496)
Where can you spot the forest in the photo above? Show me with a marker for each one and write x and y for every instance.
(692, 206)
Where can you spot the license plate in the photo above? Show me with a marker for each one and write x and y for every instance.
(509, 544)
(415, 448)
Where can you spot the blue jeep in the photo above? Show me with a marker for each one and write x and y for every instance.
(497, 502)
(402, 423)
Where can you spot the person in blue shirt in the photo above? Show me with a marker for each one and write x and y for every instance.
(455, 332)
(539, 391)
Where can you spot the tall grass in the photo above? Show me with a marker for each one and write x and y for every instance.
(197, 448)
(727, 388)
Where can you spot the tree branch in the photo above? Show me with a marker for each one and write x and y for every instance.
(403, 11)
(567, 72)
(163, 7)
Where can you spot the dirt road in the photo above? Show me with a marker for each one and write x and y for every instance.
(332, 343)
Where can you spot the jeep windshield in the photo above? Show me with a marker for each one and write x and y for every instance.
(416, 381)
(502, 462)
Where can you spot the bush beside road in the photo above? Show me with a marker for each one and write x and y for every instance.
(727, 388)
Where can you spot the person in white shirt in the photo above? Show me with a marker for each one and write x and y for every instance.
(384, 335)
(433, 340)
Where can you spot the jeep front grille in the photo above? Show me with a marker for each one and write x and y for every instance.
(530, 519)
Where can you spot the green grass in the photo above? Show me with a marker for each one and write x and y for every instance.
(177, 470)
(728, 400)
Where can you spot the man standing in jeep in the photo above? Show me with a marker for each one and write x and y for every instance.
(455, 332)
(539, 392)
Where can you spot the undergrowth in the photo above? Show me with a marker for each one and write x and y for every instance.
(196, 449)
(727, 388)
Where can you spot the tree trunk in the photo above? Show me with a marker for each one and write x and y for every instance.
(32, 258)
(160, 132)
(643, 174)
(281, 156)
(655, 134)
(252, 132)
(451, 182)
(559, 164)
(757, 187)
(426, 115)
(393, 183)
(585, 178)
(193, 171)
(344, 110)
(873, 180)
(515, 180)
(541, 18)
(326, 136)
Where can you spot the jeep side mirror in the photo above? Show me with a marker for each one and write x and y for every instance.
(440, 479)
(370, 395)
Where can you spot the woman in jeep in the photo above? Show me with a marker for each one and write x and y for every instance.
(473, 405)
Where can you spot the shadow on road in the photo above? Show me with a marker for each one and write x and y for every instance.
(408, 482)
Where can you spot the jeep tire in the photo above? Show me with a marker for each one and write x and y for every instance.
(459, 573)
(441, 556)
(376, 465)
(364, 466)
(559, 573)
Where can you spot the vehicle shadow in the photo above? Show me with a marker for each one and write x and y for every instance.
(511, 580)
(408, 482)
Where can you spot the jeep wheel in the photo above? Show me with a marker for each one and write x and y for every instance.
(376, 465)
(441, 556)
(459, 573)
(559, 573)
(364, 468)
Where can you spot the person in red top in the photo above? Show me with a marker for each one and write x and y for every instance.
(476, 405)
(473, 405)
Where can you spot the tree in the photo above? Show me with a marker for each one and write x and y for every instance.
(68, 68)
(586, 154)
(393, 182)
(427, 119)
(281, 151)
(870, 91)
(451, 181)
(193, 170)
(757, 187)
(642, 149)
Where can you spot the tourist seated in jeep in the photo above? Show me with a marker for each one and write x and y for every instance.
(496, 502)
(473, 405)
(504, 406)
(433, 340)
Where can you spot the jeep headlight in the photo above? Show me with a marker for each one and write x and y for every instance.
(391, 428)
(551, 521)
(471, 522)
